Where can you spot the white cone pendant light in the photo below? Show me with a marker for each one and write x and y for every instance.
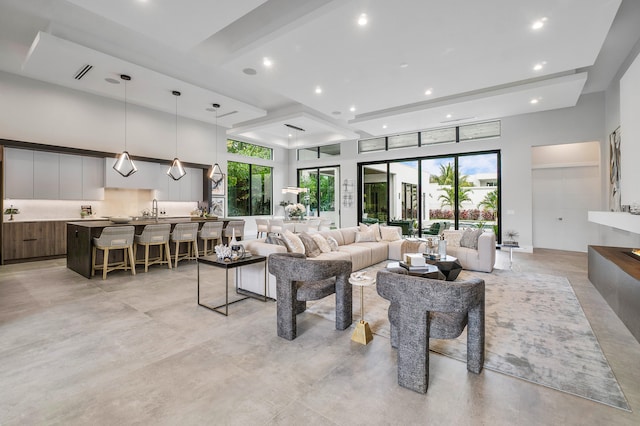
(124, 164)
(176, 171)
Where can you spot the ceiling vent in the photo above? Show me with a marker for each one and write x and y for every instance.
(228, 114)
(83, 71)
(291, 126)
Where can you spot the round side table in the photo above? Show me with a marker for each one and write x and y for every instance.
(362, 334)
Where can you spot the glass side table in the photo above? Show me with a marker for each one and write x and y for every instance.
(362, 334)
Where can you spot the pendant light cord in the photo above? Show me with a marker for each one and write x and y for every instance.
(176, 123)
(125, 115)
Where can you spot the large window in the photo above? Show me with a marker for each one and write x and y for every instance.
(249, 149)
(323, 197)
(462, 133)
(250, 189)
(319, 152)
(460, 190)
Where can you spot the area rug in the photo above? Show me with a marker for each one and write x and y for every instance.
(535, 330)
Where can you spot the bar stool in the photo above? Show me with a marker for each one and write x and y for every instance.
(153, 235)
(114, 238)
(233, 228)
(185, 233)
(262, 227)
(276, 225)
(210, 231)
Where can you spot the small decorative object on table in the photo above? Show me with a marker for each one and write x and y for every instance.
(223, 252)
(295, 211)
(511, 238)
(11, 211)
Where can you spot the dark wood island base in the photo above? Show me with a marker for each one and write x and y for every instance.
(80, 239)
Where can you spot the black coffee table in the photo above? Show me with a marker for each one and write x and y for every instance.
(429, 271)
(450, 266)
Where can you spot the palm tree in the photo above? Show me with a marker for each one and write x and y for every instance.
(447, 176)
(490, 201)
(449, 196)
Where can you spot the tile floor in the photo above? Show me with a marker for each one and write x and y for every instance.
(138, 350)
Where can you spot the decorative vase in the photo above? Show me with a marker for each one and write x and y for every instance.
(233, 241)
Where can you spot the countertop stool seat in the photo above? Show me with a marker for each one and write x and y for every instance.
(153, 235)
(262, 227)
(185, 233)
(210, 231)
(114, 238)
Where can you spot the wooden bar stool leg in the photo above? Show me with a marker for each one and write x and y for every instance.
(93, 261)
(132, 259)
(167, 254)
(177, 251)
(105, 263)
(146, 258)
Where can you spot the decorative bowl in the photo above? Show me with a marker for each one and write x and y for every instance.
(120, 219)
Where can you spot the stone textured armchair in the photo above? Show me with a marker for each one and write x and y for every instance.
(422, 308)
(299, 280)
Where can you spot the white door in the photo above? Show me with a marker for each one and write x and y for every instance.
(562, 196)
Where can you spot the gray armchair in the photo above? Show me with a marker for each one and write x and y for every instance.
(422, 308)
(299, 280)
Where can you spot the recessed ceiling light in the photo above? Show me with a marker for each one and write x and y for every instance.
(534, 101)
(318, 90)
(249, 71)
(449, 115)
(538, 24)
(428, 91)
(362, 19)
(539, 65)
(267, 62)
(404, 65)
(384, 126)
(352, 109)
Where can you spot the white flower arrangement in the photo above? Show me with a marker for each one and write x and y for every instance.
(296, 210)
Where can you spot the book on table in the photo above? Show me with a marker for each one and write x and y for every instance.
(425, 268)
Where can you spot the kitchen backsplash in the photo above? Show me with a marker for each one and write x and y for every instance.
(117, 202)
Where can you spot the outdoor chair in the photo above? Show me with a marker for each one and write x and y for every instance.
(423, 308)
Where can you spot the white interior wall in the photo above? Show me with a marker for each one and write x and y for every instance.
(630, 134)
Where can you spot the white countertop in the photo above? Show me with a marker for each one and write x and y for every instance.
(620, 220)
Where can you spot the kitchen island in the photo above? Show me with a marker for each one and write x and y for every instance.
(80, 236)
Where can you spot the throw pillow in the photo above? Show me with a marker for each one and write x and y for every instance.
(374, 227)
(390, 233)
(311, 248)
(322, 243)
(470, 237)
(274, 239)
(333, 243)
(294, 244)
(366, 236)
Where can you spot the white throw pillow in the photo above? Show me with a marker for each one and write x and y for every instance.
(390, 233)
(322, 243)
(375, 228)
(294, 243)
(366, 236)
(333, 243)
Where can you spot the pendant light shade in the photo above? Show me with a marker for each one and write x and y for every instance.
(216, 174)
(124, 164)
(176, 171)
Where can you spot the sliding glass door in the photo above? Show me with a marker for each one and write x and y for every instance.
(456, 191)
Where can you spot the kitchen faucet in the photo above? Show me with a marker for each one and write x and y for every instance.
(154, 209)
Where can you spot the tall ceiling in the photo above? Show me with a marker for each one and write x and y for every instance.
(414, 64)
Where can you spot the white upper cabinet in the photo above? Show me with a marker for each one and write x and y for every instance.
(71, 179)
(92, 178)
(46, 179)
(188, 188)
(43, 175)
(18, 174)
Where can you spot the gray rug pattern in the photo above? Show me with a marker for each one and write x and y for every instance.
(536, 330)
